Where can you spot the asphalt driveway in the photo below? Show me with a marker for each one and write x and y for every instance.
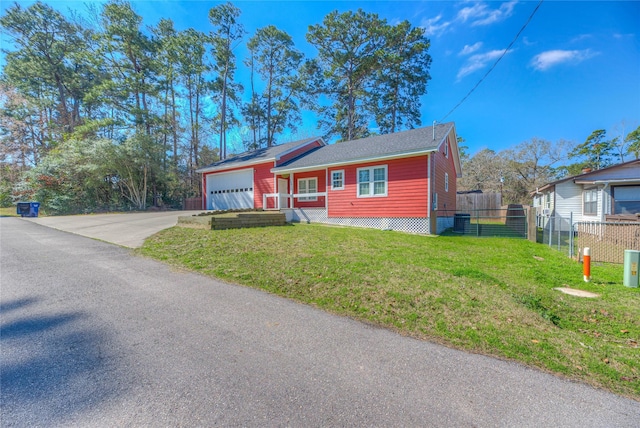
(92, 335)
(128, 230)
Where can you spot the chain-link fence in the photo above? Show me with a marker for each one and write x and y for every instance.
(555, 232)
(508, 222)
(607, 240)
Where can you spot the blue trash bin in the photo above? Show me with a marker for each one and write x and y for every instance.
(35, 208)
(28, 209)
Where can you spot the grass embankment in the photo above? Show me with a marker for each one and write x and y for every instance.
(488, 295)
(8, 212)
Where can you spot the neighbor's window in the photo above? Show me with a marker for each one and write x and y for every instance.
(446, 182)
(590, 202)
(337, 180)
(446, 149)
(372, 181)
(307, 185)
(626, 199)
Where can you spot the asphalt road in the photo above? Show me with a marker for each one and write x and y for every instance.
(92, 335)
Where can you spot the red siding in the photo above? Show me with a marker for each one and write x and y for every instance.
(406, 191)
(263, 182)
(298, 152)
(321, 176)
(444, 164)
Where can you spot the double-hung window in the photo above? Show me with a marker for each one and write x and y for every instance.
(590, 202)
(337, 180)
(307, 185)
(372, 181)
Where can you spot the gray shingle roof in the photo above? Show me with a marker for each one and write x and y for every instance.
(379, 146)
(256, 156)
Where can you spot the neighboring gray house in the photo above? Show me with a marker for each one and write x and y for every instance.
(593, 196)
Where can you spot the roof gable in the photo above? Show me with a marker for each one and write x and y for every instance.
(623, 171)
(265, 154)
(405, 143)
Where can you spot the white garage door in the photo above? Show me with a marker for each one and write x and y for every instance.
(230, 190)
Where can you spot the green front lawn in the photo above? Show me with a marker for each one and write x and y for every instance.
(492, 296)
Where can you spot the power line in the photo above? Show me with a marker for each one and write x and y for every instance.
(496, 63)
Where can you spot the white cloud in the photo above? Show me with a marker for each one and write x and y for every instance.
(472, 12)
(434, 26)
(548, 59)
(581, 37)
(480, 14)
(478, 61)
(527, 42)
(469, 49)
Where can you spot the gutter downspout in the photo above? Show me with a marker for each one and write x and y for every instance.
(602, 217)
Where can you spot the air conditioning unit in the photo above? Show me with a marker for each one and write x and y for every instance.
(546, 212)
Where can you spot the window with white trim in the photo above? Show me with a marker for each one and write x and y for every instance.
(446, 182)
(372, 181)
(446, 149)
(590, 201)
(337, 180)
(307, 185)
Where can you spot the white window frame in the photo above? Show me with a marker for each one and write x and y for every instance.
(446, 182)
(372, 181)
(594, 192)
(306, 182)
(333, 180)
(446, 149)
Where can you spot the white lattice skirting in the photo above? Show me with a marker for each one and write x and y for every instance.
(319, 215)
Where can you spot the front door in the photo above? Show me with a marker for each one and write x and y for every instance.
(283, 192)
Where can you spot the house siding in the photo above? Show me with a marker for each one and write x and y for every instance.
(445, 165)
(406, 191)
(568, 199)
(263, 182)
(294, 154)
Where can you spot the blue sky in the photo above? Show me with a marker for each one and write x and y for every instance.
(575, 67)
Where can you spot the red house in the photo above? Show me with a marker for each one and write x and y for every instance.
(403, 181)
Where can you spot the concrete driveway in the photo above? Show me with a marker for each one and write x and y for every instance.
(128, 230)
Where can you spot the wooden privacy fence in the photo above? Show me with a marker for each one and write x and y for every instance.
(489, 203)
(190, 204)
(607, 241)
